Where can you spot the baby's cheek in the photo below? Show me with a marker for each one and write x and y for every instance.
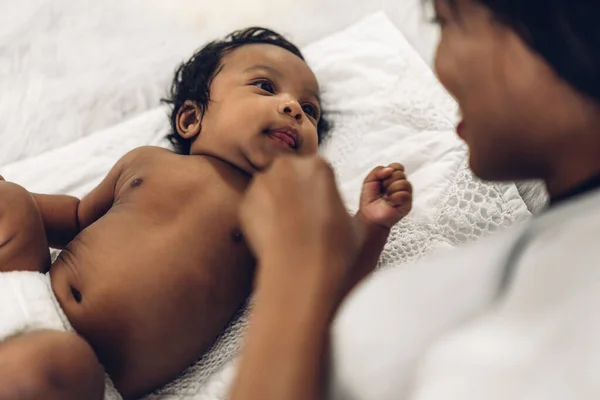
(310, 145)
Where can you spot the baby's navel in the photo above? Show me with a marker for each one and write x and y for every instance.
(136, 182)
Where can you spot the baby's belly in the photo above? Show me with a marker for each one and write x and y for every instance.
(148, 314)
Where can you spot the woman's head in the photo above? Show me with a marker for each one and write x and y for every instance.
(526, 74)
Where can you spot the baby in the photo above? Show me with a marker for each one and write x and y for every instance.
(153, 263)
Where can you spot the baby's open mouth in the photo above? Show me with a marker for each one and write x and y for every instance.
(286, 136)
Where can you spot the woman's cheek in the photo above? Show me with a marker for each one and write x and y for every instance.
(443, 66)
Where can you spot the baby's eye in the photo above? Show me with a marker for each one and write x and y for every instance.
(265, 85)
(311, 111)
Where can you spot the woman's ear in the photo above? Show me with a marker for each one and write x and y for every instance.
(189, 120)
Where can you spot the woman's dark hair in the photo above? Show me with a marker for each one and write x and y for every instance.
(564, 32)
(193, 78)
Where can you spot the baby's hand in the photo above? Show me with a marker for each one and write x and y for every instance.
(386, 196)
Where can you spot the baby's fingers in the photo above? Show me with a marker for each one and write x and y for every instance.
(399, 186)
(390, 170)
(395, 177)
(398, 199)
(378, 174)
(396, 167)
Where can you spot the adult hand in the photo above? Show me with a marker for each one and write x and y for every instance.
(295, 222)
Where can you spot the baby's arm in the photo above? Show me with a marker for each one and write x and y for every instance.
(65, 216)
(386, 198)
(375, 238)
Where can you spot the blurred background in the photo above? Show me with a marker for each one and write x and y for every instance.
(69, 56)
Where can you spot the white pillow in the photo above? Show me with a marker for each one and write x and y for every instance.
(387, 106)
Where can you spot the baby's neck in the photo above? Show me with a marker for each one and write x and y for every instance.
(228, 170)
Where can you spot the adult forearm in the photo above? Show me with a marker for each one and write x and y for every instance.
(59, 213)
(287, 344)
(306, 246)
(286, 347)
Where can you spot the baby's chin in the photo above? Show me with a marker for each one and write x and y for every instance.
(263, 161)
(259, 164)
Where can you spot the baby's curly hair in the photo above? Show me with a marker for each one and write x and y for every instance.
(193, 78)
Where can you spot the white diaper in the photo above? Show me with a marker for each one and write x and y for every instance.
(28, 303)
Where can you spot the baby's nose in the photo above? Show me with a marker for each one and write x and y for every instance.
(291, 108)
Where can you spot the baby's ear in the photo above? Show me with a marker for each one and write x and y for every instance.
(189, 120)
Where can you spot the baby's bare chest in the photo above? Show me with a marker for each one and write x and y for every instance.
(169, 218)
(189, 198)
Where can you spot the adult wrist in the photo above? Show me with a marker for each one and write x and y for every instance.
(301, 284)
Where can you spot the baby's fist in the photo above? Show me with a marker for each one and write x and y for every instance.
(386, 196)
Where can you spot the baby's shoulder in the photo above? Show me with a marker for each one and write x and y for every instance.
(140, 163)
(145, 154)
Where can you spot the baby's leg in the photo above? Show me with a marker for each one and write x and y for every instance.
(49, 365)
(23, 244)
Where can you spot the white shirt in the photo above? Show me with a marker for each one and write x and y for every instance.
(515, 316)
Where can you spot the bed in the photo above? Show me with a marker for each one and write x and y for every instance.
(81, 83)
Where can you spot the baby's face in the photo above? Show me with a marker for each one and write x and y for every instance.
(264, 101)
